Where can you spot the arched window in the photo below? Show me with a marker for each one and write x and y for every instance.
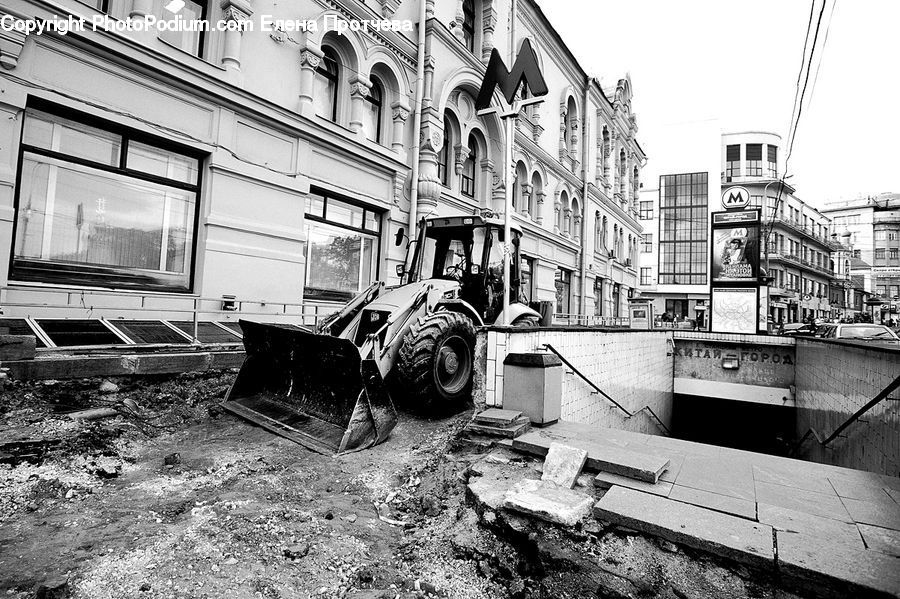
(616, 241)
(443, 157)
(468, 24)
(571, 126)
(636, 182)
(326, 87)
(623, 174)
(467, 179)
(603, 234)
(372, 111)
(561, 215)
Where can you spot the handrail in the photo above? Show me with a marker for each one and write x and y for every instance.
(893, 386)
(603, 393)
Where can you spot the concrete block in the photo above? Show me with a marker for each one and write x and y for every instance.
(720, 534)
(713, 501)
(835, 571)
(826, 530)
(882, 540)
(489, 488)
(67, 367)
(17, 347)
(170, 363)
(809, 502)
(605, 480)
(224, 360)
(563, 464)
(497, 416)
(601, 456)
(548, 501)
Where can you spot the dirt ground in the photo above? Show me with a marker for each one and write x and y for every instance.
(181, 500)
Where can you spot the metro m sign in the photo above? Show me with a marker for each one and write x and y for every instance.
(735, 198)
(525, 69)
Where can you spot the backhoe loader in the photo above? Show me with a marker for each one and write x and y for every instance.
(328, 389)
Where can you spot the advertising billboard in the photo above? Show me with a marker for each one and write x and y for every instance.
(734, 310)
(735, 247)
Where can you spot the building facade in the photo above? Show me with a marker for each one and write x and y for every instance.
(796, 246)
(872, 225)
(265, 166)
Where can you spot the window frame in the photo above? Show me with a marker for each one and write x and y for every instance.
(203, 40)
(335, 78)
(98, 276)
(464, 189)
(331, 294)
(379, 106)
(469, 26)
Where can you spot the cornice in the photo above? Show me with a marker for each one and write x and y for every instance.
(393, 40)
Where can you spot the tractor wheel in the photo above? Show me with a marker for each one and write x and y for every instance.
(528, 321)
(436, 362)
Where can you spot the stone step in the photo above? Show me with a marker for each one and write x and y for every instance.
(510, 432)
(713, 532)
(498, 416)
(601, 457)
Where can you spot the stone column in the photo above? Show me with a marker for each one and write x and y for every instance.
(310, 58)
(460, 154)
(399, 115)
(567, 222)
(557, 206)
(576, 222)
(141, 9)
(234, 12)
(360, 87)
(456, 25)
(526, 197)
(431, 138)
(541, 196)
(489, 23)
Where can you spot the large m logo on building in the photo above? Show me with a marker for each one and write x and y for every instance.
(525, 69)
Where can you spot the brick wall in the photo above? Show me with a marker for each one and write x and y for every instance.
(634, 368)
(834, 380)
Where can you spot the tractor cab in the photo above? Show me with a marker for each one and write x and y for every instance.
(468, 250)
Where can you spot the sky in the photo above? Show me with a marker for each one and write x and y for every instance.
(736, 63)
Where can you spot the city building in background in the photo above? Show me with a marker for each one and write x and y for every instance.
(270, 171)
(872, 226)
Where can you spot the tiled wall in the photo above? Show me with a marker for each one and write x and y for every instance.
(833, 382)
(634, 368)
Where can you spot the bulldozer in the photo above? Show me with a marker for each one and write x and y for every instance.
(331, 389)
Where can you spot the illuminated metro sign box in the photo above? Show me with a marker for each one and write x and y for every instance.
(526, 69)
(735, 198)
(735, 247)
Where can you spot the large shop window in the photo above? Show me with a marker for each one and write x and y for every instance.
(102, 208)
(342, 248)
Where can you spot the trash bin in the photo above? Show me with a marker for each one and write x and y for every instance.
(532, 384)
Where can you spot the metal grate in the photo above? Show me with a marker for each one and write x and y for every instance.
(19, 326)
(207, 332)
(74, 332)
(232, 326)
(149, 331)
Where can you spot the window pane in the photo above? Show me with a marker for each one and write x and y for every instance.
(74, 139)
(338, 262)
(74, 214)
(162, 163)
(373, 223)
(344, 214)
(316, 205)
(189, 41)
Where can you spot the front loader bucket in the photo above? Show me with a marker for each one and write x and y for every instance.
(313, 389)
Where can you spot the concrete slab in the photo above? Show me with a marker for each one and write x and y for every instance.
(894, 493)
(713, 501)
(492, 482)
(884, 513)
(716, 476)
(835, 571)
(788, 475)
(808, 502)
(686, 447)
(499, 431)
(605, 480)
(870, 490)
(601, 456)
(882, 540)
(727, 536)
(497, 416)
(817, 528)
(548, 501)
(563, 464)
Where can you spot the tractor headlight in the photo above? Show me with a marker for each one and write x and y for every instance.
(451, 295)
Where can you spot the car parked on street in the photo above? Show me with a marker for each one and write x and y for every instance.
(858, 332)
(798, 329)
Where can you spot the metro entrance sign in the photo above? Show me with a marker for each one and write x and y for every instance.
(735, 198)
(526, 70)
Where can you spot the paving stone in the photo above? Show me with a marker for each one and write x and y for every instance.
(882, 540)
(884, 513)
(721, 534)
(835, 571)
(717, 476)
(497, 416)
(563, 464)
(809, 502)
(789, 475)
(499, 431)
(491, 482)
(869, 490)
(601, 456)
(825, 530)
(713, 501)
(546, 500)
(605, 480)
(686, 447)
(894, 493)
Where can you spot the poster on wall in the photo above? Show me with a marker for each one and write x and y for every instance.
(735, 247)
(734, 310)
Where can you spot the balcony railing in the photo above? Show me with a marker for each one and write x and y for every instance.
(807, 230)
